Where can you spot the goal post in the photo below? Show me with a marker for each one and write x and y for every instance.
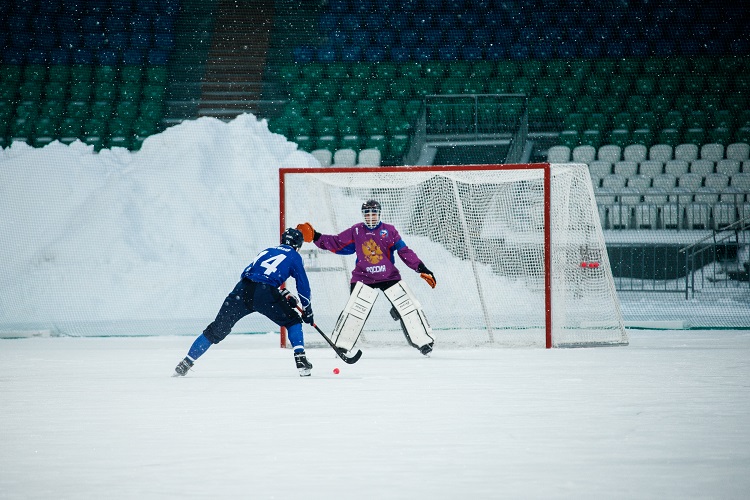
(517, 250)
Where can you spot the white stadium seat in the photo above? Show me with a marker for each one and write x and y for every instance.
(651, 168)
(728, 166)
(702, 167)
(346, 157)
(660, 152)
(712, 151)
(687, 152)
(584, 154)
(610, 152)
(635, 152)
(558, 154)
(665, 181)
(738, 151)
(626, 168)
(323, 156)
(676, 167)
(369, 157)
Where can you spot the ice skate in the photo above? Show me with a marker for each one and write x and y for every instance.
(426, 349)
(303, 365)
(182, 367)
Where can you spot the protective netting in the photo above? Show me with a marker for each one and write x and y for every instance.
(482, 233)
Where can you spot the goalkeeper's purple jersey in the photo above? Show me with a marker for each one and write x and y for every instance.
(375, 250)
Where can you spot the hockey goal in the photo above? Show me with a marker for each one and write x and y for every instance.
(517, 250)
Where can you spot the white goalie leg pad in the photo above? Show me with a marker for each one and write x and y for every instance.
(352, 319)
(416, 328)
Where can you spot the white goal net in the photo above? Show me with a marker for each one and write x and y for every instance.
(504, 251)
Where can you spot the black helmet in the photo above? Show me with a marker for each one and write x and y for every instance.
(292, 237)
(371, 205)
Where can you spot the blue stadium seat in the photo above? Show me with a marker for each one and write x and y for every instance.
(352, 53)
(400, 54)
(422, 53)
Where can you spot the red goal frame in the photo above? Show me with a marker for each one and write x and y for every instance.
(545, 167)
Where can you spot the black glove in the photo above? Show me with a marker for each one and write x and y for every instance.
(426, 275)
(287, 295)
(316, 236)
(307, 315)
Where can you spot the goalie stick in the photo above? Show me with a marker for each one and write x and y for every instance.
(339, 351)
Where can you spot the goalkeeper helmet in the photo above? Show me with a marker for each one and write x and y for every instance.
(292, 237)
(371, 213)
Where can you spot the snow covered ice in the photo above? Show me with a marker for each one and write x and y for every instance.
(143, 247)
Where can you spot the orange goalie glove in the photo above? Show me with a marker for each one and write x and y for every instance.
(426, 275)
(308, 233)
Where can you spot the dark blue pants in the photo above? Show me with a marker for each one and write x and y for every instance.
(246, 298)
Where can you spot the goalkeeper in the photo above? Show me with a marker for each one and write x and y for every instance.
(375, 243)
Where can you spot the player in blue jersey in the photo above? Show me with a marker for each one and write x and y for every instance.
(258, 291)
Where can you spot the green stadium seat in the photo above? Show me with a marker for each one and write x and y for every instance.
(498, 86)
(328, 142)
(78, 110)
(434, 69)
(581, 68)
(591, 138)
(8, 91)
(129, 92)
(532, 68)
(342, 108)
(126, 111)
(736, 102)
(361, 70)
(597, 121)
(304, 142)
(677, 65)
(570, 86)
(620, 85)
(575, 121)
(561, 107)
(391, 108)
(317, 108)
(570, 138)
(710, 103)
(647, 120)
(558, 68)
(742, 135)
(401, 88)
(694, 136)
(696, 119)
(352, 90)
(693, 84)
(522, 85)
(669, 85)
(703, 65)
(131, 74)
(630, 67)
(351, 141)
(81, 91)
(59, 73)
(54, 110)
(348, 126)
(365, 108)
(546, 87)
(620, 137)
(473, 86)
(105, 74)
(374, 125)
(55, 91)
(604, 67)
(287, 72)
(28, 110)
(645, 85)
(300, 127)
(643, 136)
(722, 118)
(685, 104)
(669, 136)
(301, 90)
(595, 85)
(312, 72)
(327, 89)
(336, 71)
(156, 75)
(378, 142)
(720, 135)
(412, 109)
(586, 105)
(482, 69)
(11, 73)
(425, 86)
(717, 83)
(104, 91)
(34, 73)
(397, 147)
(636, 104)
(459, 69)
(30, 90)
(152, 110)
(609, 104)
(399, 125)
(451, 86)
(385, 71)
(411, 70)
(660, 104)
(507, 69)
(673, 119)
(325, 125)
(81, 73)
(153, 92)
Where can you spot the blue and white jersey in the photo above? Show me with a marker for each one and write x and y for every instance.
(275, 265)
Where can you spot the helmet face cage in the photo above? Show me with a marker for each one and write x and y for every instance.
(371, 213)
(292, 237)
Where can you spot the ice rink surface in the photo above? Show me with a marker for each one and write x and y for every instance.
(665, 417)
